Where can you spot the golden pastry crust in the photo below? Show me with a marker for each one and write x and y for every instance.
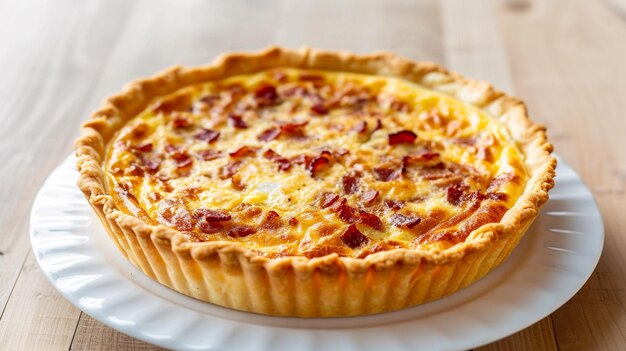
(230, 274)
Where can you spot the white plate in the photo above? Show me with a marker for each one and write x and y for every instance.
(552, 262)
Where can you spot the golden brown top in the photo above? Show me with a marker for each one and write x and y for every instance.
(299, 162)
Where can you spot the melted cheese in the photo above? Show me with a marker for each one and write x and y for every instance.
(466, 170)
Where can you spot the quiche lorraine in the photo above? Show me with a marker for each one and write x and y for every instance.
(312, 183)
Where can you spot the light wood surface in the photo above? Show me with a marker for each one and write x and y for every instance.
(59, 59)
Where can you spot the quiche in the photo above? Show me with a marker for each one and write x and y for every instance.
(314, 184)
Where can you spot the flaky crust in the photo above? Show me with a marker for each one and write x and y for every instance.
(228, 274)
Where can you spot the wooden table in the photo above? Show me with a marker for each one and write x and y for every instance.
(59, 59)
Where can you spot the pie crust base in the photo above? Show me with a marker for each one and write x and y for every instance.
(228, 274)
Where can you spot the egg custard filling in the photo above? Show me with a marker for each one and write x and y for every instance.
(295, 162)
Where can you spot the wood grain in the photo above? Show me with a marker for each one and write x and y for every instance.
(59, 59)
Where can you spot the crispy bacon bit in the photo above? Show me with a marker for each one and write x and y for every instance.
(207, 135)
(294, 129)
(404, 221)
(349, 184)
(237, 181)
(348, 214)
(319, 164)
(303, 160)
(386, 174)
(152, 164)
(283, 163)
(209, 154)
(328, 199)
(181, 122)
(210, 227)
(134, 170)
(294, 221)
(402, 137)
(244, 151)
(353, 237)
(497, 196)
(179, 155)
(144, 148)
(269, 134)
(212, 215)
(237, 121)
(369, 196)
(229, 169)
(209, 99)
(266, 92)
(360, 128)
(319, 109)
(394, 205)
(241, 231)
(154, 196)
(272, 220)
(371, 220)
(139, 131)
(419, 158)
(454, 193)
(337, 205)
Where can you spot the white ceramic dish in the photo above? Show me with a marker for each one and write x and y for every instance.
(552, 262)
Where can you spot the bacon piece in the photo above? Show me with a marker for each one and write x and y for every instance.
(134, 170)
(209, 99)
(386, 174)
(349, 184)
(360, 128)
(144, 148)
(241, 231)
(303, 160)
(404, 221)
(353, 237)
(269, 134)
(454, 193)
(283, 163)
(152, 164)
(295, 91)
(369, 196)
(266, 92)
(337, 205)
(402, 137)
(394, 205)
(328, 199)
(181, 122)
(349, 214)
(294, 129)
(244, 151)
(179, 155)
(319, 164)
(237, 182)
(319, 109)
(271, 221)
(419, 158)
(294, 221)
(237, 121)
(209, 154)
(371, 220)
(229, 169)
(210, 227)
(207, 135)
(212, 215)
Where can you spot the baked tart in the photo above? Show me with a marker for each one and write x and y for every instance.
(312, 183)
